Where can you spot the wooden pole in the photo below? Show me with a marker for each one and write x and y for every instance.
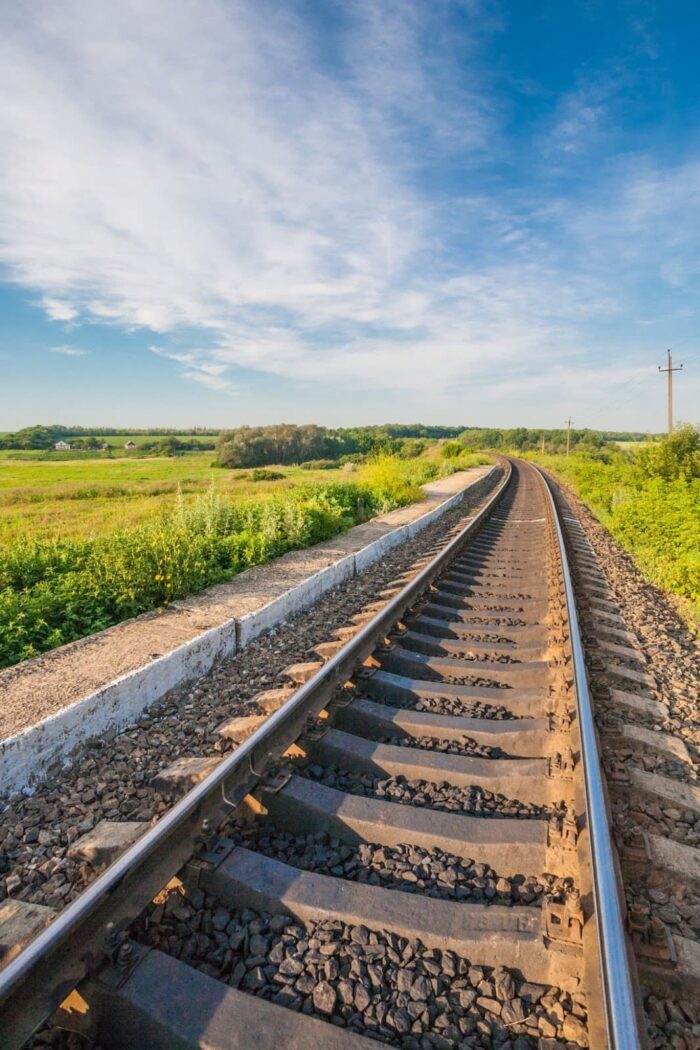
(670, 370)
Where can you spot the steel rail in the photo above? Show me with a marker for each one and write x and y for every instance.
(621, 1016)
(37, 980)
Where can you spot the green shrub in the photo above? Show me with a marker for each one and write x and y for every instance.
(452, 450)
(260, 474)
(320, 464)
(649, 500)
(676, 457)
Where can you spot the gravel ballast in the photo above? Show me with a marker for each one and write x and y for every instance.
(372, 982)
(408, 868)
(475, 640)
(449, 614)
(673, 661)
(472, 800)
(673, 1024)
(464, 746)
(447, 705)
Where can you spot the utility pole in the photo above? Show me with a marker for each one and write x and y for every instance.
(568, 435)
(543, 442)
(670, 369)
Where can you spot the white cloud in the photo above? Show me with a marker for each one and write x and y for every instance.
(582, 116)
(57, 310)
(575, 127)
(205, 173)
(67, 351)
(196, 170)
(644, 226)
(198, 173)
(197, 368)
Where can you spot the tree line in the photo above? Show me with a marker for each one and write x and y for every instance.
(524, 439)
(288, 443)
(45, 437)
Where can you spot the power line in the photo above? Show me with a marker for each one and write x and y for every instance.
(631, 389)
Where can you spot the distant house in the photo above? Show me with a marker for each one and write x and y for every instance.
(104, 446)
(62, 446)
(129, 445)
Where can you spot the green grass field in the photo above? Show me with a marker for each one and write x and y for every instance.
(119, 440)
(79, 498)
(86, 545)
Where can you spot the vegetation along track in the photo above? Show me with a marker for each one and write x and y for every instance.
(414, 848)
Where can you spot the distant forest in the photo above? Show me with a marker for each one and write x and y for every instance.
(287, 443)
(45, 437)
(354, 439)
(527, 439)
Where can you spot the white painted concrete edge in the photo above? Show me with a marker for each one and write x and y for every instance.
(301, 596)
(26, 757)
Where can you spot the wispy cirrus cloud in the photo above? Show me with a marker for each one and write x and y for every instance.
(233, 174)
(210, 177)
(67, 351)
(196, 367)
(215, 177)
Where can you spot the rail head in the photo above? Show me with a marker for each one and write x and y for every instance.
(37, 980)
(621, 1015)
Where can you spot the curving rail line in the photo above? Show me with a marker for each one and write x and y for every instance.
(453, 723)
(619, 998)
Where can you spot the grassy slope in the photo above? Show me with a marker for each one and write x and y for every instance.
(656, 520)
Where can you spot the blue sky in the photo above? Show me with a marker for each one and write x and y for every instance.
(216, 212)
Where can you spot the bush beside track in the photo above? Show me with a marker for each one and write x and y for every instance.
(649, 500)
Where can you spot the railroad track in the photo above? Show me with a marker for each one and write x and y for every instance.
(412, 848)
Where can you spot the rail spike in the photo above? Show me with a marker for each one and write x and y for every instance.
(649, 934)
(563, 919)
(562, 829)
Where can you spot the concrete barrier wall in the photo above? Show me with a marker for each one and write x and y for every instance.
(416, 526)
(303, 596)
(29, 755)
(379, 547)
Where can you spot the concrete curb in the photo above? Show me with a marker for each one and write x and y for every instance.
(294, 600)
(31, 754)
